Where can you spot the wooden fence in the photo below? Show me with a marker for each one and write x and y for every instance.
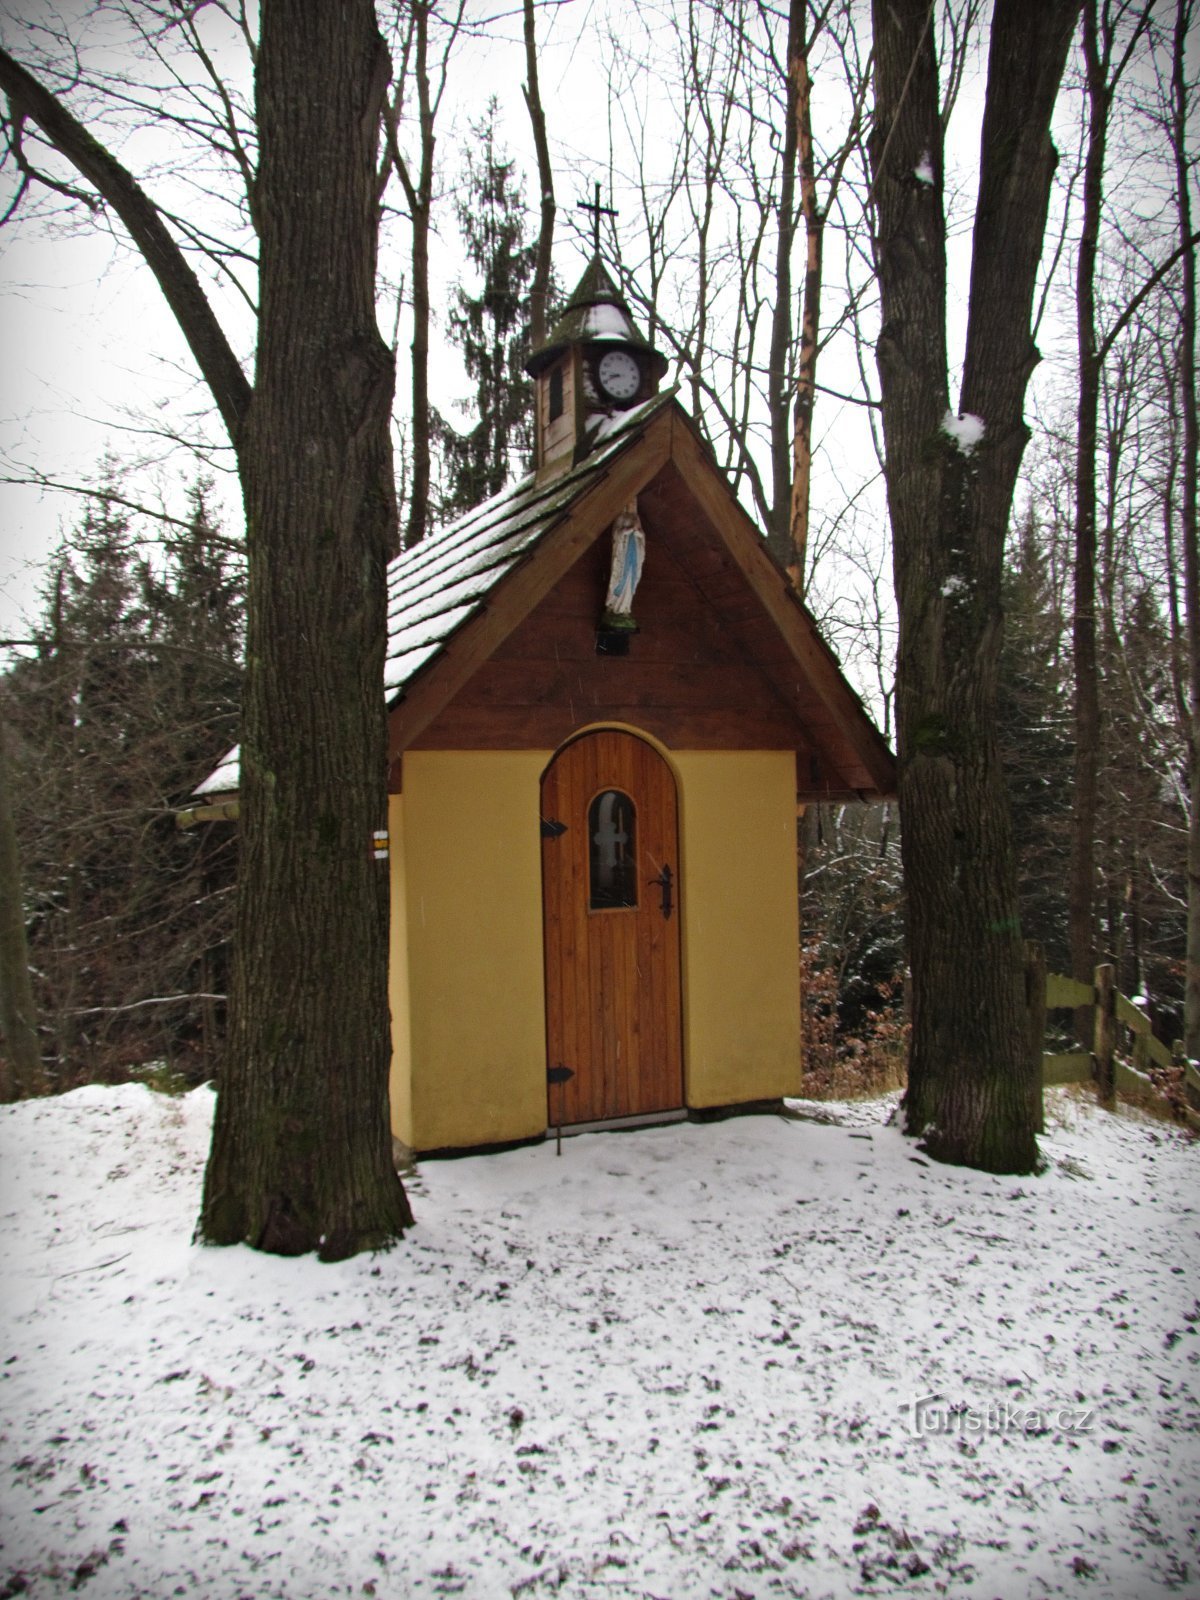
(1112, 1068)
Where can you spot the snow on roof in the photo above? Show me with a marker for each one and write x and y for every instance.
(223, 779)
(441, 583)
(437, 586)
(607, 322)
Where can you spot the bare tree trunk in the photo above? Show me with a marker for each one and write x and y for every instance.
(540, 293)
(301, 1155)
(21, 1058)
(1081, 890)
(1099, 34)
(972, 1091)
(420, 202)
(778, 398)
(810, 320)
(1189, 534)
(418, 192)
(791, 426)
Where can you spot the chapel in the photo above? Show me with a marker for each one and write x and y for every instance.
(607, 703)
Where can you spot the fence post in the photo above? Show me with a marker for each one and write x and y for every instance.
(1035, 1010)
(1104, 1042)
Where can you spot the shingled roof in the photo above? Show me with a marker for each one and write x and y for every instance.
(597, 313)
(455, 597)
(441, 583)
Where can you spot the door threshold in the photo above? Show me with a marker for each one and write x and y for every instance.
(646, 1119)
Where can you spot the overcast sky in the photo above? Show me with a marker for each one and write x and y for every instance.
(94, 361)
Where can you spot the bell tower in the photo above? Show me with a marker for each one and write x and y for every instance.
(594, 365)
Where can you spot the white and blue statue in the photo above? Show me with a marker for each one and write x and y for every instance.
(628, 558)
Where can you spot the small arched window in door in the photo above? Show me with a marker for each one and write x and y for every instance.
(612, 824)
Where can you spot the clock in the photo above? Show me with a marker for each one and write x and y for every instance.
(619, 374)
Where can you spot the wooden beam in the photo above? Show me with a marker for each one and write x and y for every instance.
(545, 727)
(218, 811)
(782, 605)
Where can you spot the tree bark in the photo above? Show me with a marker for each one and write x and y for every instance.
(21, 1061)
(420, 204)
(778, 401)
(972, 1091)
(1081, 890)
(1188, 530)
(301, 1154)
(1101, 81)
(539, 295)
(810, 321)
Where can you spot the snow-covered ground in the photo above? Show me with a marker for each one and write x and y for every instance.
(689, 1361)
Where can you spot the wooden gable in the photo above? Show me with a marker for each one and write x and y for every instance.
(727, 656)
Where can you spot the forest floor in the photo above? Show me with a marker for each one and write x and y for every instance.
(758, 1358)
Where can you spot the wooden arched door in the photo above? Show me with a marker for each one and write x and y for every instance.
(610, 886)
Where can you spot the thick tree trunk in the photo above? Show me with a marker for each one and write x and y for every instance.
(301, 1154)
(973, 1092)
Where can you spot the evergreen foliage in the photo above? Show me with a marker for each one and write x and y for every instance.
(852, 949)
(1141, 819)
(490, 327)
(1036, 741)
(1142, 813)
(129, 700)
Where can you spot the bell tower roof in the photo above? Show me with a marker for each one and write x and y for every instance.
(596, 314)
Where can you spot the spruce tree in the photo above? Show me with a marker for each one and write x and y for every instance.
(1033, 724)
(1142, 821)
(490, 327)
(130, 699)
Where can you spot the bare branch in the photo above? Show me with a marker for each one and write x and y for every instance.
(118, 188)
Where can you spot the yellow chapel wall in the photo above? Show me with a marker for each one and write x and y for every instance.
(473, 908)
(400, 1076)
(467, 982)
(741, 934)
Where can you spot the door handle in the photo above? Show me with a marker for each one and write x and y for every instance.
(664, 882)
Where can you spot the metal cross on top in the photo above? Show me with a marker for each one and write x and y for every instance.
(597, 211)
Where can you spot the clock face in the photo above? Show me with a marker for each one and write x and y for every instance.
(619, 374)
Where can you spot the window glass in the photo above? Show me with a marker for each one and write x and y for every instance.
(612, 851)
(556, 394)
